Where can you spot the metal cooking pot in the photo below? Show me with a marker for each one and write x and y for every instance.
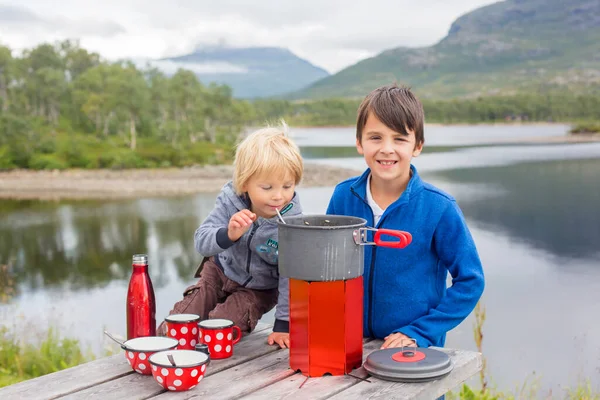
(328, 247)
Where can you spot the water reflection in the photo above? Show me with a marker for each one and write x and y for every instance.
(89, 244)
(551, 205)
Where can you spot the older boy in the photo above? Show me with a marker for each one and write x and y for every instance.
(405, 294)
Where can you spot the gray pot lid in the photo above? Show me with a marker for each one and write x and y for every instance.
(408, 364)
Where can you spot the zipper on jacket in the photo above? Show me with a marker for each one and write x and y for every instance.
(371, 268)
(254, 228)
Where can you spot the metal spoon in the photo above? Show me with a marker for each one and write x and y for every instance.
(171, 360)
(279, 214)
(114, 338)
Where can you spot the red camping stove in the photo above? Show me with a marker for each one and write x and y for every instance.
(323, 257)
(326, 326)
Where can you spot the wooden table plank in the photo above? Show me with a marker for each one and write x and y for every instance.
(466, 364)
(69, 380)
(239, 381)
(299, 387)
(142, 387)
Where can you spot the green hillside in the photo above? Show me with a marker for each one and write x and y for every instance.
(502, 48)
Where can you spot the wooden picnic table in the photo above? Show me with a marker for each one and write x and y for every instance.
(255, 371)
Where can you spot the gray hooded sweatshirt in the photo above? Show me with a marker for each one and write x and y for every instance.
(252, 260)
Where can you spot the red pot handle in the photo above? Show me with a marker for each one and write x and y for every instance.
(237, 334)
(405, 238)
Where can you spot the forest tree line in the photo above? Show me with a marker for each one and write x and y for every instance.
(62, 106)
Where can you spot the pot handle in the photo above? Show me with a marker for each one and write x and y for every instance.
(360, 238)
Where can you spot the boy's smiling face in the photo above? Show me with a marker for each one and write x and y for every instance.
(388, 153)
(270, 192)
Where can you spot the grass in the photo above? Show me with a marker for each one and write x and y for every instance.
(20, 361)
(585, 128)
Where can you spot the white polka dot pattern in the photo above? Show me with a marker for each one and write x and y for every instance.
(186, 333)
(220, 341)
(178, 379)
(139, 362)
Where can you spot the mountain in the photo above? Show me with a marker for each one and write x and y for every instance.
(251, 72)
(504, 47)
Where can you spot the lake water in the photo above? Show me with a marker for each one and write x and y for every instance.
(534, 211)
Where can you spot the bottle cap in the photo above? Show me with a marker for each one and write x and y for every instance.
(140, 259)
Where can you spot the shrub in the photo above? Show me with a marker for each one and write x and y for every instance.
(46, 161)
(6, 161)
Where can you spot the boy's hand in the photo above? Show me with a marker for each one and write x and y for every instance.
(239, 223)
(280, 338)
(397, 340)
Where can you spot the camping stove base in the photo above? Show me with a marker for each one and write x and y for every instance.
(326, 326)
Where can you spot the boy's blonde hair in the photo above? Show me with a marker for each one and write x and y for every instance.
(266, 151)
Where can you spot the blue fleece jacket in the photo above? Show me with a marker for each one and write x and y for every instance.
(405, 289)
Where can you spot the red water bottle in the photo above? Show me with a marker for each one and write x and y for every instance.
(141, 307)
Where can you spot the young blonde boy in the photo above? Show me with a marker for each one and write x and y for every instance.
(239, 277)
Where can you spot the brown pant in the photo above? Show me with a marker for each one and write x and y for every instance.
(216, 296)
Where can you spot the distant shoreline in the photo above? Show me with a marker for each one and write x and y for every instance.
(135, 183)
(122, 184)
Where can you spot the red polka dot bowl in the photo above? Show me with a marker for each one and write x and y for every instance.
(188, 372)
(139, 350)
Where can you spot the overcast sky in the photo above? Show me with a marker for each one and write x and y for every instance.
(332, 34)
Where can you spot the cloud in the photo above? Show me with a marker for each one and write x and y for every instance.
(329, 33)
(15, 14)
(22, 26)
(170, 67)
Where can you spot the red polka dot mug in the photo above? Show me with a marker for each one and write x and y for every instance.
(138, 350)
(184, 328)
(187, 372)
(219, 335)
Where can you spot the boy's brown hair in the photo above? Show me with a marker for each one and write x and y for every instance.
(396, 107)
